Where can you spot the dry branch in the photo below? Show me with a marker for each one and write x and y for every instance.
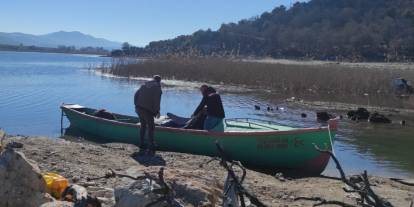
(313, 82)
(359, 184)
(228, 164)
(402, 181)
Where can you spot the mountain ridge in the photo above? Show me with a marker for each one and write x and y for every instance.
(56, 39)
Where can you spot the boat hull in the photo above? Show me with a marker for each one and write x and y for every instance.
(268, 151)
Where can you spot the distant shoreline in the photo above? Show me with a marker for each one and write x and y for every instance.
(64, 50)
(53, 52)
(373, 65)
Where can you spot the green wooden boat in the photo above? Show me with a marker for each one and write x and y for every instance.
(263, 146)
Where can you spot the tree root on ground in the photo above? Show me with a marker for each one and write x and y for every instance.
(324, 202)
(399, 180)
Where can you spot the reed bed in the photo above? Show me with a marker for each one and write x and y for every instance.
(329, 82)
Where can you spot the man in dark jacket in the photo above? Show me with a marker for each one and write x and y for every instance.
(199, 115)
(147, 101)
(215, 111)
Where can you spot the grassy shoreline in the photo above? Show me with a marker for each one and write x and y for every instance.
(325, 82)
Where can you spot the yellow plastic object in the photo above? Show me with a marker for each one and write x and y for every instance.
(55, 184)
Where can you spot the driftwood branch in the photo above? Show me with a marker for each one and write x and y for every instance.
(228, 164)
(165, 190)
(402, 181)
(359, 184)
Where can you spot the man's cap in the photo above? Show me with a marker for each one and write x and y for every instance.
(157, 78)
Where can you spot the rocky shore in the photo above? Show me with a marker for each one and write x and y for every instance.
(81, 162)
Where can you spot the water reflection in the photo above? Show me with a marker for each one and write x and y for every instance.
(33, 85)
(389, 145)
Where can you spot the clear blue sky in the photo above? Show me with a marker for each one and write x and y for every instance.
(134, 21)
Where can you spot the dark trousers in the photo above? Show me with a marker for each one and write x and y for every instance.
(146, 119)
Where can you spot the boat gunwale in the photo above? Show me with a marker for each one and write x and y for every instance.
(332, 127)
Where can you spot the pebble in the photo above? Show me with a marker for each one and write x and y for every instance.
(76, 178)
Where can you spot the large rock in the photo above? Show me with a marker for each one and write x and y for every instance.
(359, 114)
(137, 194)
(378, 118)
(21, 183)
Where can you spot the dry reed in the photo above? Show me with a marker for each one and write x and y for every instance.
(319, 82)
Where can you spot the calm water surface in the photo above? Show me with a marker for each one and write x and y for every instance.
(33, 85)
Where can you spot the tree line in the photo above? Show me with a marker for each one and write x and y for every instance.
(339, 30)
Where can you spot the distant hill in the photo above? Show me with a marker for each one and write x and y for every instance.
(56, 39)
(352, 30)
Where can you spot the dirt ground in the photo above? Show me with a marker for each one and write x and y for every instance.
(80, 160)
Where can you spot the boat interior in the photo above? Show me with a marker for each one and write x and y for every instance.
(174, 121)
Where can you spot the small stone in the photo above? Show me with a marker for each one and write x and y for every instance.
(75, 179)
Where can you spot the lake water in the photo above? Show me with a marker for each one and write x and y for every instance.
(34, 85)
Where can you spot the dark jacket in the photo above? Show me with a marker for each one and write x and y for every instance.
(200, 106)
(148, 97)
(214, 105)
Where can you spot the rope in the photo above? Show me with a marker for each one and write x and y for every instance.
(330, 139)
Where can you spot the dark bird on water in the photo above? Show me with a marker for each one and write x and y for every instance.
(303, 115)
(256, 107)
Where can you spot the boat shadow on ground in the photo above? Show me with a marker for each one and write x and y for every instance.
(143, 157)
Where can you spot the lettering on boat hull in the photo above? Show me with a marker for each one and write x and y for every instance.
(278, 143)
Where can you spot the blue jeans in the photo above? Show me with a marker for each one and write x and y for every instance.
(213, 124)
